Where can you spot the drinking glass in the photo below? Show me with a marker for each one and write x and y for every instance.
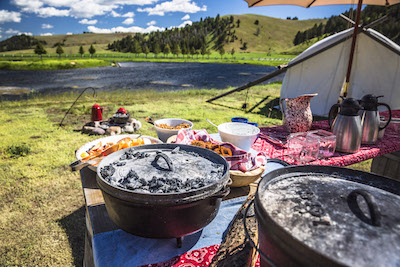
(303, 147)
(327, 143)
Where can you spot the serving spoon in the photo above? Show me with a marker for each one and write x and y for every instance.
(210, 122)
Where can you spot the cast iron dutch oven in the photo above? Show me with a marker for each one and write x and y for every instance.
(165, 215)
(328, 216)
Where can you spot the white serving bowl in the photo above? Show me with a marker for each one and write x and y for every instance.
(239, 134)
(164, 134)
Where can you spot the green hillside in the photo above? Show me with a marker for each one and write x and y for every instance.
(275, 34)
(271, 35)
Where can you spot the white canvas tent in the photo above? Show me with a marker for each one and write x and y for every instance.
(322, 69)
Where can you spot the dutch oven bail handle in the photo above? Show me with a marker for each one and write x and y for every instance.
(246, 232)
(375, 214)
(167, 160)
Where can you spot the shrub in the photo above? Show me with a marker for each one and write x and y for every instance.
(18, 150)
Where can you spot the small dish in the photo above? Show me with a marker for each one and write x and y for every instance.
(242, 135)
(163, 133)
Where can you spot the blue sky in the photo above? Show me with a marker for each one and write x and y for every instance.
(52, 17)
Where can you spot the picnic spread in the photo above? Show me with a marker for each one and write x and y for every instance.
(150, 203)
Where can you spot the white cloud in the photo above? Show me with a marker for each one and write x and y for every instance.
(46, 34)
(188, 22)
(86, 21)
(187, 6)
(11, 31)
(128, 21)
(9, 16)
(123, 29)
(115, 14)
(186, 17)
(16, 32)
(46, 12)
(89, 9)
(47, 26)
(26, 33)
(69, 33)
(77, 8)
(128, 15)
(153, 22)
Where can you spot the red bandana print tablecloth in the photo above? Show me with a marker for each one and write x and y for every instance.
(196, 258)
(388, 144)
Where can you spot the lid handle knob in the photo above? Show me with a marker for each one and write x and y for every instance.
(375, 214)
(167, 160)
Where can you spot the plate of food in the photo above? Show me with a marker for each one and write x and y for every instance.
(91, 153)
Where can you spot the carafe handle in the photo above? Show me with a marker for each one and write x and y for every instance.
(330, 117)
(390, 115)
(281, 105)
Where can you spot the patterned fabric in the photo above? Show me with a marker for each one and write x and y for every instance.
(195, 258)
(240, 159)
(388, 144)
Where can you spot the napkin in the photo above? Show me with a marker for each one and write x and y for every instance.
(240, 159)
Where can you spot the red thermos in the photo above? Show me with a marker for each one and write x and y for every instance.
(97, 113)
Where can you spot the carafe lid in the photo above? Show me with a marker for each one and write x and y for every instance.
(350, 107)
(370, 102)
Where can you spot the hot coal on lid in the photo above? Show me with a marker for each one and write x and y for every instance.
(315, 209)
(161, 171)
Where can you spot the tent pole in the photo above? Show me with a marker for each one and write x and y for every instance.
(353, 45)
(250, 84)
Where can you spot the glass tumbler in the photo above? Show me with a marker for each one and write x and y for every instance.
(327, 143)
(303, 147)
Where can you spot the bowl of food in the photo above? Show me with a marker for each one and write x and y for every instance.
(166, 128)
(91, 153)
(242, 135)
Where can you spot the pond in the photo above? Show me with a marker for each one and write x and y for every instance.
(138, 76)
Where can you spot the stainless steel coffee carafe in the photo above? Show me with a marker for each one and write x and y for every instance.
(347, 125)
(370, 119)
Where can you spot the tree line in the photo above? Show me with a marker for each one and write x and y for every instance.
(40, 50)
(390, 28)
(199, 38)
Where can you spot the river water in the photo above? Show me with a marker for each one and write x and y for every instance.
(138, 76)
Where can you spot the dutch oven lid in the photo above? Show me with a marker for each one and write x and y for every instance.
(349, 216)
(163, 169)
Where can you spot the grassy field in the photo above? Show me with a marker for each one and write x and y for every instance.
(41, 202)
(51, 63)
(29, 61)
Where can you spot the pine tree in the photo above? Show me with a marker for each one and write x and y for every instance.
(233, 51)
(156, 49)
(39, 50)
(137, 47)
(203, 50)
(192, 51)
(146, 50)
(92, 50)
(81, 51)
(221, 51)
(176, 50)
(59, 50)
(167, 50)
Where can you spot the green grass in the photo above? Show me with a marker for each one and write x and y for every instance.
(29, 61)
(41, 202)
(51, 63)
